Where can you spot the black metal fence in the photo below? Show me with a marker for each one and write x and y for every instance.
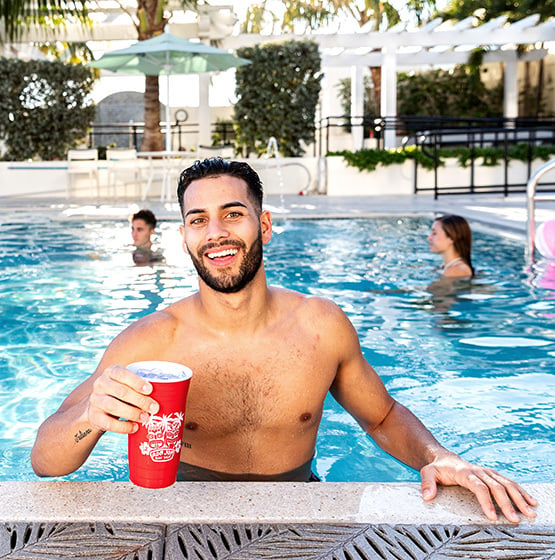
(130, 135)
(505, 144)
(409, 129)
(435, 134)
(431, 134)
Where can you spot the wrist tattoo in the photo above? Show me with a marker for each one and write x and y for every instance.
(80, 435)
(185, 444)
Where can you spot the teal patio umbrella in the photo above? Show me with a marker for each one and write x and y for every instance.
(168, 54)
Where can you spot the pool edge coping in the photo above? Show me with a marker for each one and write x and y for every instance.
(253, 502)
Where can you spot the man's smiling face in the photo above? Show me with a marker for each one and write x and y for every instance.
(223, 232)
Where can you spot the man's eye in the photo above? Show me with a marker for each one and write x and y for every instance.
(234, 214)
(196, 221)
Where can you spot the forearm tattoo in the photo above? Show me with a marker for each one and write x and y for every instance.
(80, 435)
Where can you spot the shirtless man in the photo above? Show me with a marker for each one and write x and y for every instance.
(263, 359)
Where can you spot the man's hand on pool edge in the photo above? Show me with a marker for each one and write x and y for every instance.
(487, 484)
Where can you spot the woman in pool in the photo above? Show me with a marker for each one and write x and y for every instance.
(452, 239)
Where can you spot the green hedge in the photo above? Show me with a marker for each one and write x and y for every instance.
(368, 160)
(44, 108)
(277, 96)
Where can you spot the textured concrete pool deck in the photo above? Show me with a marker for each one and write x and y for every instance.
(227, 520)
(336, 521)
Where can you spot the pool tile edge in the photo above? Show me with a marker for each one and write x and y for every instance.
(200, 502)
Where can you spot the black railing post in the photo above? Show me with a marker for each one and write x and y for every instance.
(415, 175)
(506, 162)
(436, 165)
(472, 157)
(530, 154)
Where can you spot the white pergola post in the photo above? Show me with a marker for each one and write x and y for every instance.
(510, 100)
(204, 134)
(389, 94)
(357, 107)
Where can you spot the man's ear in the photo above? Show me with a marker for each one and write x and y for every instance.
(266, 226)
(182, 233)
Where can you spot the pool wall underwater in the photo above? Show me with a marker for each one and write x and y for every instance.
(104, 520)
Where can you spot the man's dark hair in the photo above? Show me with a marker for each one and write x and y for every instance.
(146, 215)
(212, 167)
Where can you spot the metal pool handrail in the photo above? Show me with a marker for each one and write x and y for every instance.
(532, 198)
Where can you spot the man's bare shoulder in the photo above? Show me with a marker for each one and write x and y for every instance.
(317, 321)
(311, 307)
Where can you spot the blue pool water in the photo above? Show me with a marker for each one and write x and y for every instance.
(474, 363)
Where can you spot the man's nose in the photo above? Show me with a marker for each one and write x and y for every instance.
(216, 230)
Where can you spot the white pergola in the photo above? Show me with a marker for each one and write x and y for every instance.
(438, 43)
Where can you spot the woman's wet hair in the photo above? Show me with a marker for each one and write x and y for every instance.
(457, 229)
(213, 167)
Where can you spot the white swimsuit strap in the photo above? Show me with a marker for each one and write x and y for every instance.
(452, 262)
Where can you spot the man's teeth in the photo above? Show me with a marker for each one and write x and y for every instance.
(225, 253)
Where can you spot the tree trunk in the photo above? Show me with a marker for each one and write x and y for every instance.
(152, 138)
(527, 94)
(150, 14)
(539, 90)
(376, 73)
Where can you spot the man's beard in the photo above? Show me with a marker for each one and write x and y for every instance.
(225, 282)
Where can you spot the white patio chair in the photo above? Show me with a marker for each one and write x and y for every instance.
(124, 168)
(81, 162)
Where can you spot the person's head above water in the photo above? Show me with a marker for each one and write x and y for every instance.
(143, 224)
(451, 237)
(216, 166)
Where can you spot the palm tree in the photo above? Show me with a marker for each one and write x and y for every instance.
(150, 19)
(16, 15)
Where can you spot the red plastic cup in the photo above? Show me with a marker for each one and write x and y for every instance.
(154, 449)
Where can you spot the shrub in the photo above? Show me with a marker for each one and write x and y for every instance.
(457, 93)
(44, 109)
(368, 159)
(277, 96)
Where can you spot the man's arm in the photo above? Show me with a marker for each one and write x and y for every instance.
(65, 439)
(112, 399)
(400, 433)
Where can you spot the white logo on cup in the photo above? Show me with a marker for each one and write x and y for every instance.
(163, 437)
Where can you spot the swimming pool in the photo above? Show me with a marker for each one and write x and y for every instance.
(474, 363)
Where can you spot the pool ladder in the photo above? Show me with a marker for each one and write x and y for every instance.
(532, 198)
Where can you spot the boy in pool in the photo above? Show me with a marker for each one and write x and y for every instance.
(263, 360)
(143, 224)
